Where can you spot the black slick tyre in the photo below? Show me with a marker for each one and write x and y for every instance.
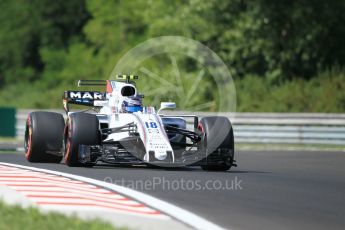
(217, 135)
(43, 137)
(81, 129)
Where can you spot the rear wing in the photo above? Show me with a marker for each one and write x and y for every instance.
(93, 98)
(92, 83)
(119, 77)
(87, 98)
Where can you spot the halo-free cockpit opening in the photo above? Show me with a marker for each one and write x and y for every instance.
(128, 91)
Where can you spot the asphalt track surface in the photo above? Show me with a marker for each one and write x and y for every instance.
(275, 189)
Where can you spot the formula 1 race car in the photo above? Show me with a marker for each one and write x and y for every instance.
(119, 130)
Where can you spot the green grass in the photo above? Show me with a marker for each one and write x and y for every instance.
(10, 152)
(306, 147)
(15, 217)
(325, 93)
(8, 139)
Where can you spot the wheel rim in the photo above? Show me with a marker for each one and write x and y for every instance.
(28, 138)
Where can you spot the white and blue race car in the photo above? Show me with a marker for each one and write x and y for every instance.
(119, 130)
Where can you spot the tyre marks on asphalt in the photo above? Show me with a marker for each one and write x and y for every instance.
(48, 190)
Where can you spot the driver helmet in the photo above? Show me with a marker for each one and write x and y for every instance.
(132, 104)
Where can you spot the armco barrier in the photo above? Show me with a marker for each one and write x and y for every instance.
(294, 128)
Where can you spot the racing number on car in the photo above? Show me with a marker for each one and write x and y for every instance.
(152, 125)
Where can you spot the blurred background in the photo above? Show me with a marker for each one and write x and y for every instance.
(284, 56)
(286, 59)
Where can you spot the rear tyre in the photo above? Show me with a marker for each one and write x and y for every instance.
(217, 137)
(43, 137)
(81, 129)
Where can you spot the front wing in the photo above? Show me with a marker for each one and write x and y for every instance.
(115, 153)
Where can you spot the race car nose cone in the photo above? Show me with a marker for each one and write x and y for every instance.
(160, 154)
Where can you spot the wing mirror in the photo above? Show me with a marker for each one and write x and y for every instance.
(167, 105)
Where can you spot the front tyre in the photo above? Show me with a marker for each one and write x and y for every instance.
(217, 143)
(81, 129)
(43, 137)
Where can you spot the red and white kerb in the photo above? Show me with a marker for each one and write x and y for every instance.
(45, 189)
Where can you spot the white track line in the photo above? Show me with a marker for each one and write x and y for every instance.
(67, 190)
(45, 183)
(178, 213)
(53, 193)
